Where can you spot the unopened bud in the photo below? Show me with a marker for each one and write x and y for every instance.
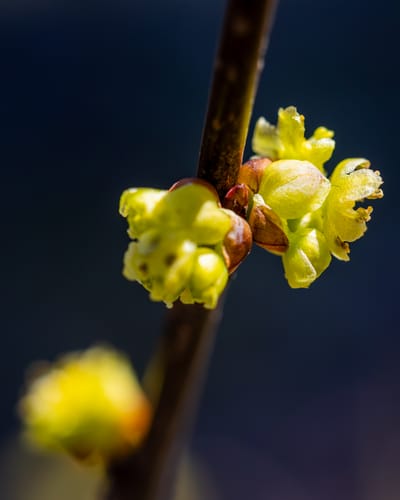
(197, 181)
(237, 199)
(237, 243)
(292, 188)
(251, 173)
(306, 259)
(193, 209)
(267, 227)
(208, 279)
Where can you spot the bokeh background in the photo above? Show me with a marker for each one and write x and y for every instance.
(302, 401)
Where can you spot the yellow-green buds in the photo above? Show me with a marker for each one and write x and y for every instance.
(287, 141)
(185, 244)
(88, 404)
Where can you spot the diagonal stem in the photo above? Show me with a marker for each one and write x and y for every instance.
(181, 359)
(238, 64)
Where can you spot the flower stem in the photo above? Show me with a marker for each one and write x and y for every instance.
(238, 64)
(180, 362)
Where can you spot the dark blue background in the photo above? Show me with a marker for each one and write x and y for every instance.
(303, 396)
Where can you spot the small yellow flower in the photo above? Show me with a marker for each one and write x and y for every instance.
(89, 404)
(286, 140)
(352, 181)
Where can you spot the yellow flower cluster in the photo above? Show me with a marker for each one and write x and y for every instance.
(185, 245)
(88, 404)
(317, 214)
(180, 242)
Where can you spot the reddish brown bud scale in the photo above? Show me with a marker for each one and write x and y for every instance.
(237, 199)
(237, 243)
(251, 172)
(267, 229)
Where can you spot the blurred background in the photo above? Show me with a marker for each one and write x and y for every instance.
(302, 400)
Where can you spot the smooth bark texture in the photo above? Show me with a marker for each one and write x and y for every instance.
(238, 64)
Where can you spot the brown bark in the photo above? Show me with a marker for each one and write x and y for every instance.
(181, 360)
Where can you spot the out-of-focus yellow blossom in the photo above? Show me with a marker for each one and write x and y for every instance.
(178, 249)
(286, 140)
(88, 404)
(317, 214)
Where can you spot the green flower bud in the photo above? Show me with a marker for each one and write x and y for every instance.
(208, 279)
(287, 141)
(292, 188)
(306, 259)
(194, 209)
(352, 181)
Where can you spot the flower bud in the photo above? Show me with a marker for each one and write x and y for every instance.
(88, 404)
(208, 279)
(267, 227)
(306, 259)
(292, 188)
(194, 209)
(237, 242)
(237, 199)
(196, 181)
(251, 173)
